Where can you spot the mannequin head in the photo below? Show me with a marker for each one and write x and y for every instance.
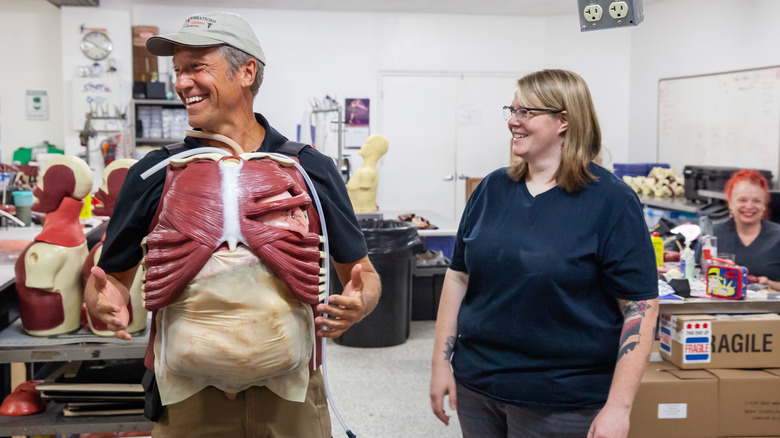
(64, 176)
(113, 177)
(374, 147)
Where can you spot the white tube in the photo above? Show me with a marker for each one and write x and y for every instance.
(326, 249)
(185, 154)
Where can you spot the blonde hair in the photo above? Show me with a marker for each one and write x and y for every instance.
(563, 90)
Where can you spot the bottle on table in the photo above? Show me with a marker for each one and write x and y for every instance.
(658, 247)
(709, 243)
(687, 262)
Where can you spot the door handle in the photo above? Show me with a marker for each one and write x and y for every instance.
(462, 176)
(449, 177)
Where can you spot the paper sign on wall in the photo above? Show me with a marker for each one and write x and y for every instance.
(37, 105)
(98, 96)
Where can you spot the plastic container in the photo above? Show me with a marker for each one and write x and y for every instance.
(630, 169)
(658, 247)
(392, 246)
(23, 200)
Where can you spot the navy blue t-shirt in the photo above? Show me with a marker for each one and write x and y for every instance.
(539, 325)
(138, 200)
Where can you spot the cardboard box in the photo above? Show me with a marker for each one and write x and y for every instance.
(144, 63)
(674, 403)
(143, 33)
(721, 341)
(748, 402)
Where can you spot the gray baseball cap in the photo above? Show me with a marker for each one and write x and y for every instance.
(209, 29)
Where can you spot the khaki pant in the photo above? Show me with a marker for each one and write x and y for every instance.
(255, 413)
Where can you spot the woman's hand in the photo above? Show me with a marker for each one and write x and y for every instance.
(442, 384)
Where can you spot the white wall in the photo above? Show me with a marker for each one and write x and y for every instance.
(602, 58)
(114, 16)
(31, 60)
(311, 54)
(692, 37)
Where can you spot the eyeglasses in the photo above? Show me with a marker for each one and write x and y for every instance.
(522, 113)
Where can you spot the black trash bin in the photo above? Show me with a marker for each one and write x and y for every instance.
(392, 246)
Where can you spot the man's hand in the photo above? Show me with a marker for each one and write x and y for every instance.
(107, 298)
(344, 310)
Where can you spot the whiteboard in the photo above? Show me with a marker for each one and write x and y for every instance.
(725, 119)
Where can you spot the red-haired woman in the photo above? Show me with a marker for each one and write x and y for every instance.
(748, 234)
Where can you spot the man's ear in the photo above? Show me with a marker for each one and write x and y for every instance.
(564, 122)
(248, 72)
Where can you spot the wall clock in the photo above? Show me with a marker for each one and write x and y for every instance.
(96, 45)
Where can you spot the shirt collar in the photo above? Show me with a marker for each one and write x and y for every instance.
(271, 143)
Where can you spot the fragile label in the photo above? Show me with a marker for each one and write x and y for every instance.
(672, 410)
(696, 336)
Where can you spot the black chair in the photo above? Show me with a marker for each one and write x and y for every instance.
(774, 205)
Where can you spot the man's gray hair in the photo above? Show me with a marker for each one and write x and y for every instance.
(235, 59)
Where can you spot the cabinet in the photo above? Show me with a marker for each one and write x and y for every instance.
(157, 122)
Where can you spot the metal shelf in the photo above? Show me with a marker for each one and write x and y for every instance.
(165, 102)
(65, 353)
(52, 422)
(721, 305)
(674, 204)
(17, 346)
(139, 141)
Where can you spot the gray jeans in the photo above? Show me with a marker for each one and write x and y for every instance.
(482, 417)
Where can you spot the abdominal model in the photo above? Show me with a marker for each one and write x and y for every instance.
(233, 267)
(113, 176)
(48, 272)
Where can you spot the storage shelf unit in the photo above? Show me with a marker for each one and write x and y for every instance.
(139, 106)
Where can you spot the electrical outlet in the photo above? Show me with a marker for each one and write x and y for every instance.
(593, 12)
(618, 10)
(608, 14)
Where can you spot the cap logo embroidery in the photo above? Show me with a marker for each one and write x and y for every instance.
(199, 22)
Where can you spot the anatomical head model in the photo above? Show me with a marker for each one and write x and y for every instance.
(362, 186)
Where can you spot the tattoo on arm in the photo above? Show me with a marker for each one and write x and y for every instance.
(450, 345)
(633, 315)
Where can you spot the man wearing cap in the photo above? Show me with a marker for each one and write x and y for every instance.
(219, 67)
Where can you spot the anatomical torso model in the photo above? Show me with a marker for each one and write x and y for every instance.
(232, 270)
(48, 272)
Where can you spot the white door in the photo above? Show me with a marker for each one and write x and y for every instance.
(417, 117)
(484, 141)
(441, 128)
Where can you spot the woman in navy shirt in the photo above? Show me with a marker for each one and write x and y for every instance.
(549, 305)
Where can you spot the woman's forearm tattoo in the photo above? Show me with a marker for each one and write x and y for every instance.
(449, 346)
(633, 315)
